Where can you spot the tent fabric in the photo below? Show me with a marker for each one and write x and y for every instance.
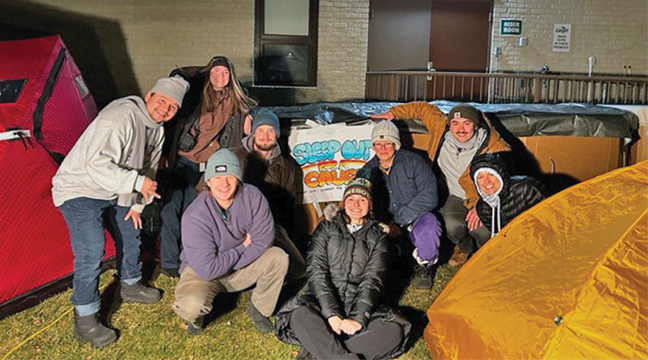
(568, 279)
(34, 240)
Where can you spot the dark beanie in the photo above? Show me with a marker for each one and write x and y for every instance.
(266, 117)
(359, 186)
(467, 112)
(218, 60)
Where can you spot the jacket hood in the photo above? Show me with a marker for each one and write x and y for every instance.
(495, 162)
(248, 144)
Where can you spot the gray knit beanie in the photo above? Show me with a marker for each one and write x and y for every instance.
(175, 87)
(386, 130)
(266, 117)
(223, 162)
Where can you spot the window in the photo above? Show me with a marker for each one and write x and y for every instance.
(286, 42)
(10, 90)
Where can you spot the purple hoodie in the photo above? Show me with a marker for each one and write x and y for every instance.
(213, 246)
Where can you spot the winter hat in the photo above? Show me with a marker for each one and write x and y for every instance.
(360, 186)
(386, 130)
(266, 117)
(467, 112)
(218, 61)
(175, 87)
(223, 162)
(426, 237)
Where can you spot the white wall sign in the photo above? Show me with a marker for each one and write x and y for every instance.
(561, 37)
(329, 157)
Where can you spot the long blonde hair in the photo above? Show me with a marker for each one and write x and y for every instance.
(240, 102)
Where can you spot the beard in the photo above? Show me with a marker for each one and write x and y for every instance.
(265, 146)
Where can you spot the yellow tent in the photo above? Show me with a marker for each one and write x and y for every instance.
(567, 279)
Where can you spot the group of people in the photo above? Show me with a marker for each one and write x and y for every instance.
(227, 212)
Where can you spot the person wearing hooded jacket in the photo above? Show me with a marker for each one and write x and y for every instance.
(455, 140)
(502, 197)
(216, 116)
(340, 314)
(109, 174)
(277, 176)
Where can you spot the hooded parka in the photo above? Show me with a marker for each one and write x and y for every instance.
(517, 194)
(346, 277)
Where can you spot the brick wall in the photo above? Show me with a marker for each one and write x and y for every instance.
(144, 40)
(616, 32)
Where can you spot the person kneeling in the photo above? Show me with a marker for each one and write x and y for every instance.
(227, 237)
(340, 315)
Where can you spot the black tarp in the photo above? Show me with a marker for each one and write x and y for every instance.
(569, 119)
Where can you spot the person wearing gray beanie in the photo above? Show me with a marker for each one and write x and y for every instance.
(175, 87)
(386, 130)
(405, 193)
(223, 163)
(455, 140)
(227, 245)
(110, 173)
(263, 165)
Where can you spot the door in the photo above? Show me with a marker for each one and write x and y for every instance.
(399, 37)
(459, 42)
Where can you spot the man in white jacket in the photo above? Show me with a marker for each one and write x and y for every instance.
(108, 178)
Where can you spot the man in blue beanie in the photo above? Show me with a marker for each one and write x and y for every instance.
(227, 238)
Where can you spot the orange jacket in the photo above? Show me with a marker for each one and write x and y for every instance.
(436, 123)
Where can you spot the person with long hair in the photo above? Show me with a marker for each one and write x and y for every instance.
(340, 314)
(218, 117)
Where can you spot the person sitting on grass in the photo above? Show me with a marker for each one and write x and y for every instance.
(227, 238)
(502, 197)
(340, 315)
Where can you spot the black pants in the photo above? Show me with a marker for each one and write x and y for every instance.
(183, 191)
(313, 332)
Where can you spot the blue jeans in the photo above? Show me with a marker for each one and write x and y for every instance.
(186, 175)
(86, 219)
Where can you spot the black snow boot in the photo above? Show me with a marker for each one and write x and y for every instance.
(88, 329)
(261, 322)
(139, 293)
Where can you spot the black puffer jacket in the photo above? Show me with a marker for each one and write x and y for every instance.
(518, 194)
(346, 276)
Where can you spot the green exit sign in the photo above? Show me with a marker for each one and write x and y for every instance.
(510, 27)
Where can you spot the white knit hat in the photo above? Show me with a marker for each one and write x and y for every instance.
(175, 87)
(386, 130)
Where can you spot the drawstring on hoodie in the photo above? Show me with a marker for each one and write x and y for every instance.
(492, 200)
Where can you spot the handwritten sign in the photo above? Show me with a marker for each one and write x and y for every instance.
(329, 157)
(561, 37)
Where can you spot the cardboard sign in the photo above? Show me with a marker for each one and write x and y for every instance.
(329, 157)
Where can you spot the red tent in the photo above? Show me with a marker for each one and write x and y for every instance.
(45, 105)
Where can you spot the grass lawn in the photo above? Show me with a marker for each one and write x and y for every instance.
(155, 332)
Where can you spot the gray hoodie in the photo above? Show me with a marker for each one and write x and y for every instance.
(113, 155)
